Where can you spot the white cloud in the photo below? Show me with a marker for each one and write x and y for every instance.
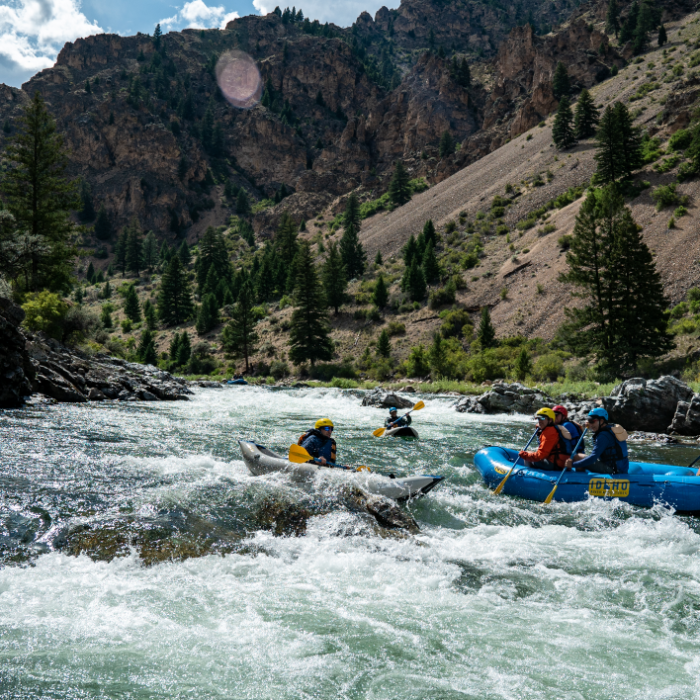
(340, 12)
(32, 32)
(198, 15)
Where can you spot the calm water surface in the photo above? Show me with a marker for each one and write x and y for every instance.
(495, 598)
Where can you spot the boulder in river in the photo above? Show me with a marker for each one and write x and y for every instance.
(647, 404)
(686, 420)
(16, 370)
(505, 398)
(385, 399)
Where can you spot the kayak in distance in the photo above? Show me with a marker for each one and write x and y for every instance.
(645, 485)
(242, 382)
(402, 431)
(260, 460)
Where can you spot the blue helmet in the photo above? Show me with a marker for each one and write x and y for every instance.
(392, 409)
(598, 413)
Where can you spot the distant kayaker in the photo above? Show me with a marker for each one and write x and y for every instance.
(562, 418)
(552, 450)
(393, 421)
(609, 454)
(319, 443)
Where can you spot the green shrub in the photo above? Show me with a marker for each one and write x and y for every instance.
(455, 323)
(285, 301)
(45, 311)
(498, 212)
(666, 196)
(340, 383)
(680, 211)
(679, 310)
(418, 363)
(527, 223)
(126, 325)
(694, 294)
(443, 296)
(279, 369)
(395, 328)
(686, 326)
(325, 372)
(681, 140)
(564, 242)
(548, 367)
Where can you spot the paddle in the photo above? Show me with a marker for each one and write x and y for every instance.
(692, 464)
(499, 488)
(551, 493)
(380, 431)
(299, 455)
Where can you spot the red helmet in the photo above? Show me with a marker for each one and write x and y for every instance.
(562, 410)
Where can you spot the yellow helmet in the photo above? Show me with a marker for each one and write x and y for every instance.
(324, 423)
(546, 412)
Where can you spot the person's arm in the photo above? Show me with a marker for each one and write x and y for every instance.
(599, 445)
(408, 420)
(313, 447)
(548, 441)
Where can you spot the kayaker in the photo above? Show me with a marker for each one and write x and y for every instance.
(551, 452)
(609, 454)
(319, 443)
(562, 418)
(393, 421)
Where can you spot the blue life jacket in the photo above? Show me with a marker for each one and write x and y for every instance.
(318, 445)
(575, 432)
(614, 451)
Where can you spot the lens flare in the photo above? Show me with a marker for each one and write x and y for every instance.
(239, 79)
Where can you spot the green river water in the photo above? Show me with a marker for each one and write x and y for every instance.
(495, 598)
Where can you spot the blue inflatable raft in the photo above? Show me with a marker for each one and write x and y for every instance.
(237, 381)
(644, 485)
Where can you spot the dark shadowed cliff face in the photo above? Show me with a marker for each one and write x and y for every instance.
(15, 367)
(154, 139)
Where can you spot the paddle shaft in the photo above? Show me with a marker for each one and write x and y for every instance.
(578, 444)
(500, 486)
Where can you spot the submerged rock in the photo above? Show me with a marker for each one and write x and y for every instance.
(386, 512)
(385, 399)
(283, 518)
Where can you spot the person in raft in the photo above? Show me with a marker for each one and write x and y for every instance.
(318, 441)
(609, 454)
(562, 418)
(552, 451)
(393, 421)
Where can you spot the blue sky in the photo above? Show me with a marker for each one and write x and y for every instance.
(32, 32)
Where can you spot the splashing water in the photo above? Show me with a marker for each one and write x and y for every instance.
(496, 598)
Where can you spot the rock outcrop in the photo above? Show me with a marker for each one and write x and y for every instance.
(505, 398)
(384, 399)
(15, 367)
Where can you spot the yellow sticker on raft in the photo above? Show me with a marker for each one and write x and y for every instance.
(500, 470)
(609, 488)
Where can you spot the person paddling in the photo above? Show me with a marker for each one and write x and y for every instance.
(552, 451)
(393, 421)
(319, 443)
(609, 454)
(562, 418)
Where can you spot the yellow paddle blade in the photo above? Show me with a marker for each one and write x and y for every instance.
(298, 454)
(551, 494)
(499, 488)
(379, 432)
(363, 468)
(418, 406)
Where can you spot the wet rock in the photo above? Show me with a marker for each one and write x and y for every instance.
(283, 519)
(386, 512)
(647, 404)
(15, 365)
(640, 436)
(208, 385)
(56, 386)
(505, 398)
(384, 399)
(409, 390)
(686, 420)
(95, 395)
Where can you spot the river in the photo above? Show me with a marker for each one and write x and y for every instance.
(495, 598)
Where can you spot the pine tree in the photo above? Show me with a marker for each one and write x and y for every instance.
(239, 338)
(380, 295)
(624, 318)
(102, 226)
(561, 86)
(609, 154)
(630, 24)
(415, 281)
(308, 338)
(149, 251)
(175, 298)
(465, 76)
(184, 350)
(132, 308)
(107, 291)
(120, 252)
(99, 277)
(429, 233)
(384, 344)
(523, 366)
(149, 313)
(87, 210)
(662, 35)
(486, 335)
(146, 350)
(612, 18)
(212, 253)
(410, 251)
(208, 316)
(586, 119)
(242, 204)
(41, 199)
(399, 187)
(174, 346)
(378, 258)
(351, 250)
(165, 254)
(447, 145)
(630, 139)
(157, 34)
(563, 130)
(431, 268)
(90, 273)
(334, 279)
(647, 20)
(133, 248)
(351, 215)
(437, 356)
(106, 317)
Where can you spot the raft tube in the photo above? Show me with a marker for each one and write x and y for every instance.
(237, 381)
(402, 431)
(645, 485)
(260, 460)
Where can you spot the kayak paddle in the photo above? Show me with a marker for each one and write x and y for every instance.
(299, 455)
(380, 431)
(551, 493)
(499, 488)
